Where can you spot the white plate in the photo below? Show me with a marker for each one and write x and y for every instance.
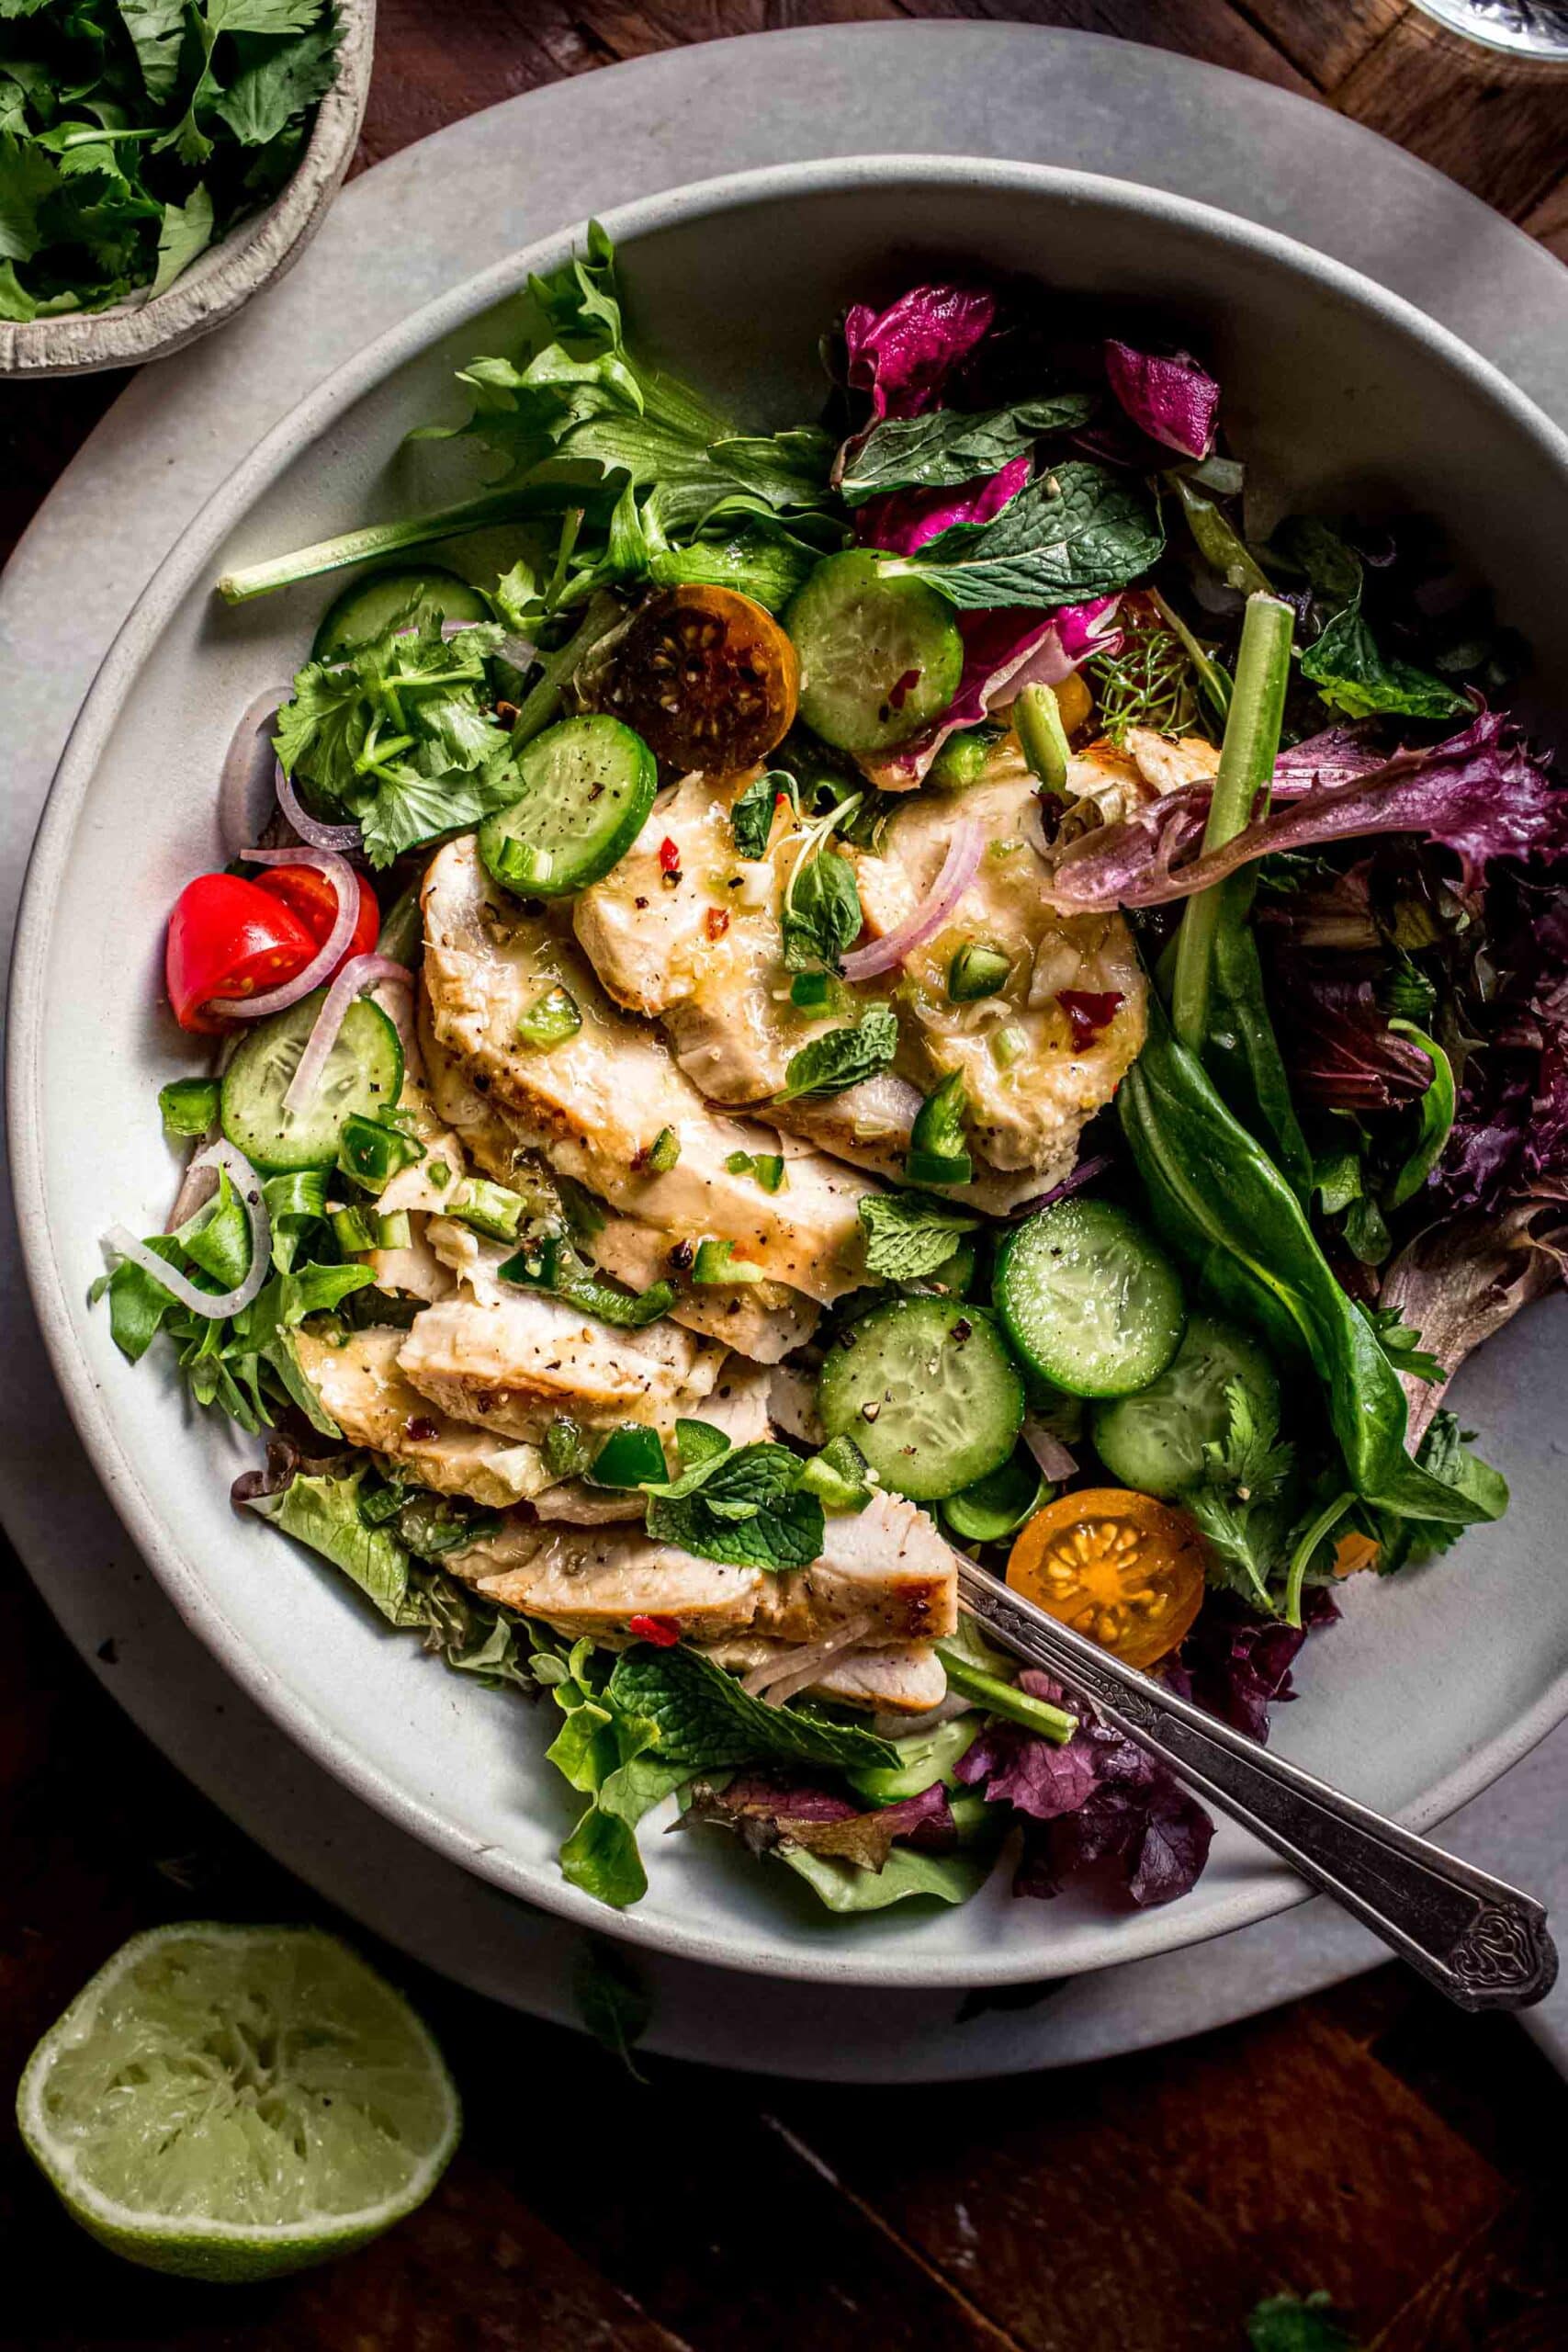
(1409, 1707)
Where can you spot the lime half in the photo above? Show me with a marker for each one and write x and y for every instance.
(234, 2102)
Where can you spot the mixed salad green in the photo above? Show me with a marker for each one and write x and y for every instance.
(926, 989)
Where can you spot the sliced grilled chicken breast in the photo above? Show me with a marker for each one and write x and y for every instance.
(360, 1385)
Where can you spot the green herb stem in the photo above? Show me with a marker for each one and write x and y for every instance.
(1246, 769)
(1328, 1519)
(602, 614)
(374, 539)
(999, 1698)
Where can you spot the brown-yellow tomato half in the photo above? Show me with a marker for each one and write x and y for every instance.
(706, 677)
(1124, 1569)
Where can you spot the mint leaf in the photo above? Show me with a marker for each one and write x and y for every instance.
(1074, 532)
(743, 1505)
(706, 1721)
(751, 818)
(1343, 661)
(842, 1057)
(909, 1235)
(821, 914)
(947, 446)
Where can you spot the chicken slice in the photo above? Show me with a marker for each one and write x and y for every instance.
(1026, 1106)
(360, 1385)
(897, 1678)
(593, 1581)
(598, 1102)
(763, 1320)
(703, 948)
(888, 1561)
(522, 1361)
(1166, 763)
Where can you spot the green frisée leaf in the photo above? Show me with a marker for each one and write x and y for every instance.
(705, 1722)
(845, 1887)
(1075, 532)
(908, 1235)
(324, 1513)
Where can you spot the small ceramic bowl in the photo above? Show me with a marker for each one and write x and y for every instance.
(221, 280)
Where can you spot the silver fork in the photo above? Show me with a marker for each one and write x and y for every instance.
(1482, 1942)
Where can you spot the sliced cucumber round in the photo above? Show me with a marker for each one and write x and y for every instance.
(996, 1506)
(588, 784)
(1155, 1440)
(1090, 1302)
(367, 608)
(880, 655)
(927, 1391)
(364, 1076)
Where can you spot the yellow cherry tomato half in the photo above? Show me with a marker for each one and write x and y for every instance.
(1124, 1569)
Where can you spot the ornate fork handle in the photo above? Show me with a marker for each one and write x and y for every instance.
(1482, 1942)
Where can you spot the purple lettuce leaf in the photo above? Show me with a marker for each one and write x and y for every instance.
(903, 356)
(1237, 1664)
(1171, 398)
(768, 1810)
(1338, 1047)
(1095, 1797)
(1482, 793)
(900, 521)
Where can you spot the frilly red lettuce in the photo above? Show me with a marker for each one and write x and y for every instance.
(902, 520)
(1482, 793)
(1172, 399)
(1339, 1048)
(903, 356)
(1095, 1797)
(1238, 1665)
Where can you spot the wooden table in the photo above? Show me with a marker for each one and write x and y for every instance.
(1366, 2142)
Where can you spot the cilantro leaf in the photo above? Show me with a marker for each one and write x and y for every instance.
(283, 81)
(842, 1057)
(909, 1235)
(156, 29)
(706, 1721)
(186, 231)
(1240, 1504)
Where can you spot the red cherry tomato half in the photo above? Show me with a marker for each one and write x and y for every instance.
(306, 892)
(229, 938)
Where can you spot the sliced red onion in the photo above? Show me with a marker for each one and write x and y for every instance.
(215, 1306)
(1050, 1456)
(247, 772)
(342, 877)
(310, 828)
(360, 973)
(958, 870)
(779, 1677)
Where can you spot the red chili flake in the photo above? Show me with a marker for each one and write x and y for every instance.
(716, 923)
(905, 686)
(419, 1432)
(669, 859)
(1088, 1012)
(662, 1632)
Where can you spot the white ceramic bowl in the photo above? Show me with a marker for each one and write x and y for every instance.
(224, 278)
(1334, 392)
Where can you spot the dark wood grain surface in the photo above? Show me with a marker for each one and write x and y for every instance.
(1366, 2142)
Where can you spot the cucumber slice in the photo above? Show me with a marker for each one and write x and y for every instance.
(588, 785)
(995, 1506)
(880, 657)
(926, 1389)
(1088, 1301)
(368, 607)
(363, 1077)
(1155, 1440)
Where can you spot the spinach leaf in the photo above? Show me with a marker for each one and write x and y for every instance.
(1226, 1209)
(947, 446)
(1343, 662)
(841, 1058)
(909, 1235)
(1242, 1054)
(706, 1721)
(1077, 531)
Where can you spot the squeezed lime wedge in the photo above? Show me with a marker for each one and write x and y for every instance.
(232, 2102)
